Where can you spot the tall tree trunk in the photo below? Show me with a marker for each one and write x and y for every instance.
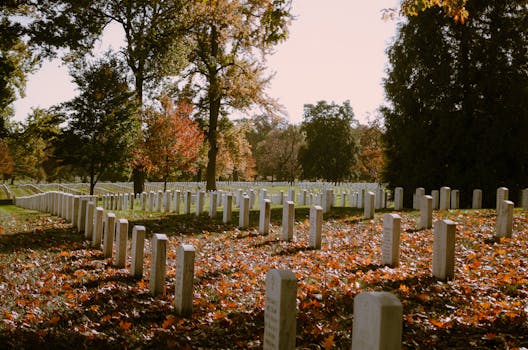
(92, 178)
(213, 147)
(214, 112)
(138, 174)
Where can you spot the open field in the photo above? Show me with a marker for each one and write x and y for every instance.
(58, 292)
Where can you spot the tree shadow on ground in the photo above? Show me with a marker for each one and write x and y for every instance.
(51, 238)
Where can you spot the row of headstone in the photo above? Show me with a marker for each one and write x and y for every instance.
(288, 221)
(446, 198)
(443, 245)
(444, 239)
(68, 206)
(118, 231)
(378, 316)
(104, 231)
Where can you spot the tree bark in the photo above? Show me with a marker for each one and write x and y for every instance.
(138, 175)
(214, 112)
(213, 151)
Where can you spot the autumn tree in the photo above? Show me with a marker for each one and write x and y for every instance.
(100, 119)
(16, 60)
(230, 42)
(457, 92)
(278, 153)
(453, 8)
(259, 127)
(330, 150)
(235, 159)
(6, 161)
(154, 43)
(370, 160)
(172, 141)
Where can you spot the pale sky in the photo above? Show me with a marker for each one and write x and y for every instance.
(335, 52)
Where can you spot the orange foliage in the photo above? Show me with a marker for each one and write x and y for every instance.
(370, 157)
(6, 161)
(453, 8)
(172, 141)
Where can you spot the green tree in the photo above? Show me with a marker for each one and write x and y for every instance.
(235, 158)
(230, 42)
(453, 8)
(101, 122)
(155, 46)
(31, 145)
(278, 153)
(260, 126)
(457, 92)
(331, 149)
(16, 61)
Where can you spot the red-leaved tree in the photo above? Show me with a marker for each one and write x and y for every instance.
(172, 142)
(6, 161)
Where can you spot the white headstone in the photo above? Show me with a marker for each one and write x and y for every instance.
(81, 217)
(187, 199)
(243, 218)
(419, 193)
(444, 250)
(436, 199)
(524, 199)
(291, 194)
(369, 205)
(502, 195)
(98, 227)
(398, 198)
(504, 219)
(151, 201)
(138, 245)
(445, 198)
(328, 199)
(378, 200)
(265, 215)
(378, 318)
(89, 224)
(158, 265)
(200, 197)
(121, 242)
(288, 219)
(426, 212)
(159, 201)
(109, 233)
(455, 199)
(227, 208)
(75, 213)
(391, 240)
(477, 199)
(177, 199)
(354, 199)
(183, 291)
(144, 201)
(316, 225)
(213, 204)
(280, 310)
(303, 197)
(168, 201)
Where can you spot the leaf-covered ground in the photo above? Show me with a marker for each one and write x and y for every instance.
(58, 292)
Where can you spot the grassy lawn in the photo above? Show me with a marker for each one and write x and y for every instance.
(58, 292)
